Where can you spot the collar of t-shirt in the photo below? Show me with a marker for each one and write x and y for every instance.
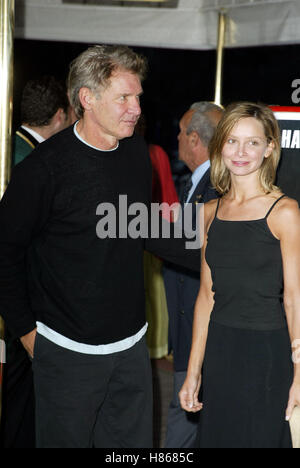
(35, 135)
(88, 144)
(197, 176)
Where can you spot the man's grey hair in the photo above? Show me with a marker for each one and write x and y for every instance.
(201, 121)
(94, 68)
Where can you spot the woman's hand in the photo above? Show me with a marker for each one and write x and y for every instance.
(188, 395)
(294, 400)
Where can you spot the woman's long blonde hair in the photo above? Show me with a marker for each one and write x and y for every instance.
(220, 175)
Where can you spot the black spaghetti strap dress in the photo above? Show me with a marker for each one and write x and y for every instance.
(247, 369)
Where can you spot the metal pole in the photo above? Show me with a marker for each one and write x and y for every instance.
(220, 57)
(7, 13)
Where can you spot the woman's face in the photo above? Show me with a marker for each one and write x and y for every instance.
(246, 147)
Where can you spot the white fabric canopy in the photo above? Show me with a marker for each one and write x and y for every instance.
(193, 24)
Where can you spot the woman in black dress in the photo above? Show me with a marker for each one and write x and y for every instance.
(245, 319)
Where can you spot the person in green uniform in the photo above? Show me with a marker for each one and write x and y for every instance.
(45, 110)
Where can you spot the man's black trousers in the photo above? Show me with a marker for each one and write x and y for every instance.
(96, 401)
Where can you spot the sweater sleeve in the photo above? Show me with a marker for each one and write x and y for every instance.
(24, 210)
(174, 248)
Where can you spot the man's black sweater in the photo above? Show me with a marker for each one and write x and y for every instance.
(53, 266)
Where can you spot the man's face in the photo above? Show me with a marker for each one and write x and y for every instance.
(115, 111)
(183, 138)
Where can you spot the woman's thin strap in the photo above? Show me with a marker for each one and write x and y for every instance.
(275, 203)
(219, 199)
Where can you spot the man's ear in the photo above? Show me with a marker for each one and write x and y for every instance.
(85, 96)
(58, 119)
(194, 139)
(57, 123)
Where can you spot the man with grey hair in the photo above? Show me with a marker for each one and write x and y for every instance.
(76, 300)
(197, 127)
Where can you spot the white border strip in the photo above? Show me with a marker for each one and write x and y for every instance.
(287, 115)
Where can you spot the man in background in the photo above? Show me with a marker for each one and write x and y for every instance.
(197, 127)
(45, 111)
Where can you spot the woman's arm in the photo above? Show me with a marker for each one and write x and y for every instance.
(285, 224)
(189, 393)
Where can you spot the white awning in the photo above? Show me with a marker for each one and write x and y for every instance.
(190, 24)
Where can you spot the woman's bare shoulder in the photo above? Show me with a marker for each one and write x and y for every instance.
(285, 216)
(211, 205)
(287, 206)
(210, 211)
